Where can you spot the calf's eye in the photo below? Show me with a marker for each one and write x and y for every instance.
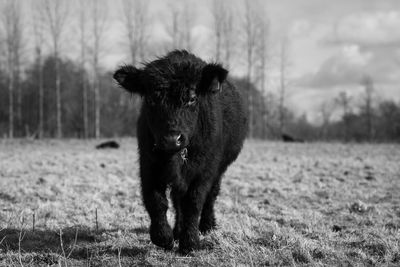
(192, 100)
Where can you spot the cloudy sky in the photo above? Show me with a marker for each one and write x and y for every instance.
(336, 43)
(332, 44)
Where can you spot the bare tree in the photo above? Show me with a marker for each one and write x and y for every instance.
(262, 52)
(250, 32)
(8, 32)
(262, 55)
(38, 33)
(223, 30)
(12, 26)
(18, 43)
(228, 40)
(389, 122)
(174, 27)
(270, 116)
(99, 23)
(367, 108)
(181, 24)
(188, 19)
(218, 13)
(344, 101)
(83, 43)
(56, 12)
(136, 21)
(326, 110)
(283, 81)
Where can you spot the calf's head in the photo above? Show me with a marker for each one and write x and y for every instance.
(173, 88)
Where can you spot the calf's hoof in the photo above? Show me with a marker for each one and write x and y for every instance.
(177, 232)
(162, 236)
(207, 225)
(188, 243)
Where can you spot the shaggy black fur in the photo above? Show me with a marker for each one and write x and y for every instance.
(190, 100)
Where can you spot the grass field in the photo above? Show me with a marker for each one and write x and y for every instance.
(280, 204)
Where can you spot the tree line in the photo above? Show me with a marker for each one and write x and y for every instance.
(44, 92)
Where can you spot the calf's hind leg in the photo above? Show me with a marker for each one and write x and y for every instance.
(207, 221)
(176, 200)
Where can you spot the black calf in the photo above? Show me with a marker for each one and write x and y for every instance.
(191, 127)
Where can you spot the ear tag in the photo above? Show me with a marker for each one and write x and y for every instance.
(215, 86)
(184, 155)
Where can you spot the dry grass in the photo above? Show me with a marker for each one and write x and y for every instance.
(280, 204)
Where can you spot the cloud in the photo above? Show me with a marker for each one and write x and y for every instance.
(365, 44)
(367, 29)
(337, 72)
(344, 68)
(354, 56)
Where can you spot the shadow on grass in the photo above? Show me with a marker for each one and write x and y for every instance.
(71, 243)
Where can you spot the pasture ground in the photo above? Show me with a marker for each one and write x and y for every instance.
(280, 204)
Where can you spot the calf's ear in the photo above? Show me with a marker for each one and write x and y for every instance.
(212, 77)
(130, 78)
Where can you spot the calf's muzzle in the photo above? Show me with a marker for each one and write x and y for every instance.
(172, 142)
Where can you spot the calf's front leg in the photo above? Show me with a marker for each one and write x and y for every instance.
(156, 204)
(191, 206)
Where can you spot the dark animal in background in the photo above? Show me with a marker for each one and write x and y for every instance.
(290, 139)
(108, 144)
(192, 125)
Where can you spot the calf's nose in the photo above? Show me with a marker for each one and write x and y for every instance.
(173, 141)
